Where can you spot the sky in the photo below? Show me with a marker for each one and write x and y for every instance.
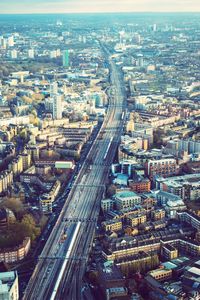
(83, 6)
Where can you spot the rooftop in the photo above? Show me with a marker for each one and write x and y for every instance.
(126, 194)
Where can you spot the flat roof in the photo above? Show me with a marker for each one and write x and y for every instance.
(126, 194)
(169, 265)
(194, 270)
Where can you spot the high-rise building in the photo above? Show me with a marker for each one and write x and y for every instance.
(13, 54)
(57, 106)
(3, 42)
(11, 41)
(66, 58)
(53, 89)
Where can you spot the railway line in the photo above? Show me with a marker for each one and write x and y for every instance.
(59, 272)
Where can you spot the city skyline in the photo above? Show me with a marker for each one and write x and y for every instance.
(88, 6)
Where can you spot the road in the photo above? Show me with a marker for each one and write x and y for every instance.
(83, 204)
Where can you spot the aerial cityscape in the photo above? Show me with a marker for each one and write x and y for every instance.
(99, 150)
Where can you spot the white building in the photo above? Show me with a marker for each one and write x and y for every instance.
(11, 41)
(9, 289)
(53, 88)
(13, 54)
(31, 53)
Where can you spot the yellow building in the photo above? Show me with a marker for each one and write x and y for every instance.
(161, 274)
(130, 127)
(112, 225)
(135, 220)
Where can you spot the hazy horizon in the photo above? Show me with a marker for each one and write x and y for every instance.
(98, 6)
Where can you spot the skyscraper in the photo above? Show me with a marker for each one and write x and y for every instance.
(53, 88)
(13, 54)
(57, 106)
(66, 58)
(31, 53)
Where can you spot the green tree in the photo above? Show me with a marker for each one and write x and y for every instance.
(111, 190)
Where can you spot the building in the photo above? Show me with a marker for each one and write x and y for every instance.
(53, 88)
(126, 199)
(13, 54)
(152, 241)
(31, 53)
(158, 214)
(112, 225)
(6, 216)
(187, 186)
(26, 160)
(57, 107)
(3, 218)
(9, 287)
(179, 145)
(171, 203)
(169, 252)
(135, 220)
(111, 281)
(140, 184)
(164, 167)
(11, 41)
(17, 253)
(159, 290)
(130, 127)
(66, 58)
(16, 165)
(189, 218)
(107, 205)
(6, 180)
(161, 274)
(47, 199)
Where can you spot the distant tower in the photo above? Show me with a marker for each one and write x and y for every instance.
(53, 88)
(154, 27)
(31, 53)
(13, 54)
(121, 38)
(11, 41)
(66, 58)
(57, 106)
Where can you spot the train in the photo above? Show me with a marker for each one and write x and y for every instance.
(70, 242)
(108, 148)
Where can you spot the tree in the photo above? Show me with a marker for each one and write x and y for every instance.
(29, 226)
(13, 204)
(111, 190)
